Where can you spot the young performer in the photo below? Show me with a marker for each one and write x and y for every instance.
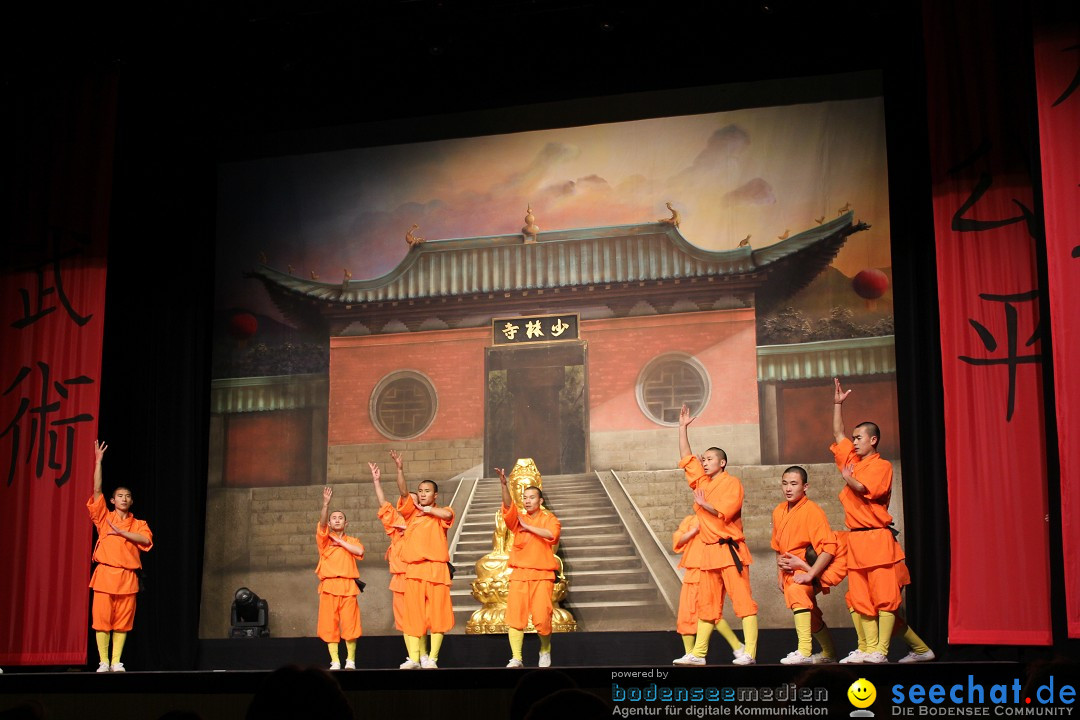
(533, 568)
(799, 524)
(339, 611)
(427, 575)
(686, 541)
(120, 540)
(877, 572)
(718, 499)
(394, 525)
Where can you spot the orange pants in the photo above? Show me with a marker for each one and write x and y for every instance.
(802, 597)
(871, 590)
(113, 612)
(714, 584)
(529, 597)
(338, 612)
(427, 607)
(399, 610)
(686, 620)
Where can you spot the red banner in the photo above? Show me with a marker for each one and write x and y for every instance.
(1057, 75)
(52, 310)
(991, 357)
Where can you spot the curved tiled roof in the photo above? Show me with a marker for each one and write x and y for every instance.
(573, 258)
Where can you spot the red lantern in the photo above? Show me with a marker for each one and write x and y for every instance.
(870, 284)
(243, 325)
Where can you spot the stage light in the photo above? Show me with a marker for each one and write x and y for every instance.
(250, 615)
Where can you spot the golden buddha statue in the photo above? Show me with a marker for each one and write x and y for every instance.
(492, 583)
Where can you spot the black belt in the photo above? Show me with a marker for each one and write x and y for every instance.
(733, 546)
(889, 527)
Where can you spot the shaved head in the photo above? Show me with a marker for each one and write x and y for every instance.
(871, 430)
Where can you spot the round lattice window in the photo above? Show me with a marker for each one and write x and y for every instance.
(667, 382)
(403, 405)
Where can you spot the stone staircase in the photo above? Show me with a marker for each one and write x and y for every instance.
(610, 587)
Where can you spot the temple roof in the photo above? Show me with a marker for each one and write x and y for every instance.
(637, 255)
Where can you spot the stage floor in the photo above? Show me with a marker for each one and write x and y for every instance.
(630, 673)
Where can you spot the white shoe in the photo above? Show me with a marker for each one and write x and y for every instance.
(350, 664)
(914, 657)
(875, 658)
(689, 659)
(515, 663)
(429, 664)
(409, 664)
(744, 659)
(335, 665)
(116, 667)
(423, 659)
(797, 658)
(822, 658)
(103, 667)
(740, 653)
(545, 660)
(855, 656)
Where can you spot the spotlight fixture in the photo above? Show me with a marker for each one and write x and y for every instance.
(250, 615)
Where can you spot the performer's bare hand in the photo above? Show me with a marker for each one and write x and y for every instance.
(376, 473)
(803, 578)
(99, 450)
(502, 475)
(684, 416)
(699, 497)
(848, 471)
(327, 493)
(840, 395)
(397, 458)
(115, 530)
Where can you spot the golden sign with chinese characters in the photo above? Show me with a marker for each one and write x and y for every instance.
(534, 328)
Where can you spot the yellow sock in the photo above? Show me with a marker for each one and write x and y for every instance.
(749, 634)
(870, 630)
(517, 640)
(802, 631)
(885, 622)
(118, 640)
(423, 645)
(103, 646)
(413, 644)
(701, 641)
(436, 644)
(688, 643)
(856, 620)
(728, 634)
(824, 638)
(915, 642)
(350, 649)
(545, 644)
(333, 648)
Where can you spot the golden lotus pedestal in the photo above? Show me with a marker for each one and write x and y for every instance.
(492, 583)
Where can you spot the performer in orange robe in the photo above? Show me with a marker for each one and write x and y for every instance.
(339, 611)
(533, 568)
(799, 524)
(427, 575)
(121, 537)
(725, 563)
(877, 572)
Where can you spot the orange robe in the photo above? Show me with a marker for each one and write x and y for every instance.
(427, 578)
(391, 519)
(876, 569)
(723, 540)
(115, 581)
(691, 551)
(339, 611)
(794, 529)
(533, 567)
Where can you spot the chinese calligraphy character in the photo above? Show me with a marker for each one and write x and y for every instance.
(1073, 85)
(965, 224)
(39, 310)
(559, 328)
(510, 330)
(1012, 359)
(533, 329)
(41, 433)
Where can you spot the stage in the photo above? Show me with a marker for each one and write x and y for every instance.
(630, 672)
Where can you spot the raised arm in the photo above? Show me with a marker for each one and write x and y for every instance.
(507, 501)
(839, 433)
(324, 513)
(403, 489)
(99, 453)
(376, 480)
(684, 438)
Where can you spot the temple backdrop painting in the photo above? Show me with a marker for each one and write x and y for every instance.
(554, 295)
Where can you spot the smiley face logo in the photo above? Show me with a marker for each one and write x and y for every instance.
(862, 693)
